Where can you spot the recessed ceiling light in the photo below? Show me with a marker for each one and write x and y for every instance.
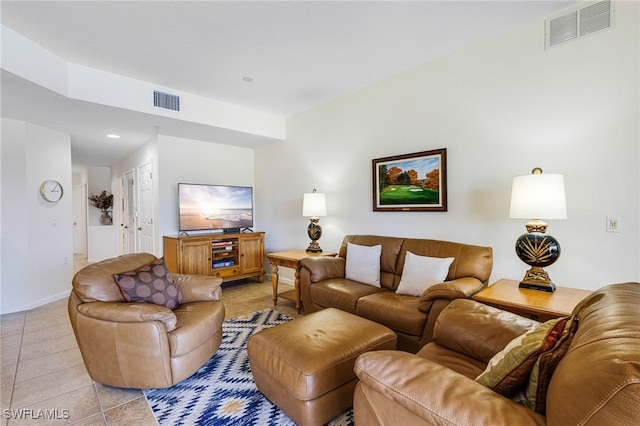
(113, 136)
(247, 79)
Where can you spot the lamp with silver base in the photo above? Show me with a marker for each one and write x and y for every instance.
(538, 196)
(314, 206)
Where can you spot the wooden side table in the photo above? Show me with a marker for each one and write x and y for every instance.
(538, 305)
(290, 259)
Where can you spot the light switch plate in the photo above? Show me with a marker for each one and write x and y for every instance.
(613, 224)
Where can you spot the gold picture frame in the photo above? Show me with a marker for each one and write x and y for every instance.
(411, 182)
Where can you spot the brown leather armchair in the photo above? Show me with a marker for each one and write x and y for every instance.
(143, 345)
(597, 381)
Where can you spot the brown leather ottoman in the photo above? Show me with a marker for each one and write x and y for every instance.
(305, 366)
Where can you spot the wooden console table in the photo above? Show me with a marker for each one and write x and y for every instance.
(289, 259)
(535, 304)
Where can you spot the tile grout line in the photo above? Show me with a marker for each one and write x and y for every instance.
(15, 371)
(44, 376)
(95, 393)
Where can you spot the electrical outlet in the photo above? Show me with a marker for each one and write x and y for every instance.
(613, 224)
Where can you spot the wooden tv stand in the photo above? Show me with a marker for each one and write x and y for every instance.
(228, 256)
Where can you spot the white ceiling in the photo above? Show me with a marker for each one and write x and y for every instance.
(298, 53)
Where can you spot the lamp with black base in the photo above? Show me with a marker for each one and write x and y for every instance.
(538, 196)
(314, 205)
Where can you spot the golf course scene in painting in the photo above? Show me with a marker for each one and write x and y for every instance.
(411, 182)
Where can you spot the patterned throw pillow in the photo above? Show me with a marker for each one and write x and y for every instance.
(510, 368)
(151, 284)
(536, 392)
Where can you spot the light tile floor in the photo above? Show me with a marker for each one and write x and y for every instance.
(44, 380)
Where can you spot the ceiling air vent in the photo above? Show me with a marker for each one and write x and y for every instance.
(165, 100)
(579, 23)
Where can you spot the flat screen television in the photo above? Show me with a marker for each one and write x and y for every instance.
(215, 207)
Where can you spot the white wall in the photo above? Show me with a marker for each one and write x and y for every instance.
(185, 160)
(37, 239)
(101, 239)
(190, 161)
(500, 108)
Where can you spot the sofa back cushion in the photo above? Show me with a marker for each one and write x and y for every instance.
(388, 259)
(95, 282)
(468, 260)
(602, 365)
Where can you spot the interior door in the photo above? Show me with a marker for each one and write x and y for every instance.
(79, 207)
(145, 211)
(129, 213)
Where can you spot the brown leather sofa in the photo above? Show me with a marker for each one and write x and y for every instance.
(143, 345)
(597, 381)
(323, 285)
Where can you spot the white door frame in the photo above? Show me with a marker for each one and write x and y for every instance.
(146, 229)
(129, 233)
(79, 203)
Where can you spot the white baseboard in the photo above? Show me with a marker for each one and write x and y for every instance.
(37, 303)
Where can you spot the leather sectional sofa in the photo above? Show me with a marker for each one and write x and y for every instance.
(412, 318)
(595, 382)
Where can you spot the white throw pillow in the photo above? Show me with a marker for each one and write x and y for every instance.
(363, 264)
(421, 272)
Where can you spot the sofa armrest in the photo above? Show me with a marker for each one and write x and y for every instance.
(461, 288)
(324, 267)
(198, 288)
(435, 393)
(129, 312)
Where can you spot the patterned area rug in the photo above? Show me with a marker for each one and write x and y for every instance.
(222, 392)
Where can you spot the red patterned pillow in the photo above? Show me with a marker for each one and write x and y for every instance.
(536, 392)
(510, 368)
(151, 284)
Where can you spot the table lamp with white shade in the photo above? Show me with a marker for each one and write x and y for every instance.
(538, 196)
(314, 206)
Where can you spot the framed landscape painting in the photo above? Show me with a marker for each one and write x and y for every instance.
(411, 182)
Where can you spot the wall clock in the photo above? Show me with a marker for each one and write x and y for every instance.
(51, 191)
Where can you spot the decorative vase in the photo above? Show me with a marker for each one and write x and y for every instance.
(105, 219)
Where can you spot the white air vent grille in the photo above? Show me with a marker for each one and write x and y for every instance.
(165, 100)
(595, 18)
(579, 23)
(563, 29)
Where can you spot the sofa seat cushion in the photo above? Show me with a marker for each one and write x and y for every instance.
(197, 323)
(399, 312)
(453, 360)
(341, 293)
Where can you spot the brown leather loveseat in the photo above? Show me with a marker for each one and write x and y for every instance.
(143, 345)
(412, 318)
(596, 381)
